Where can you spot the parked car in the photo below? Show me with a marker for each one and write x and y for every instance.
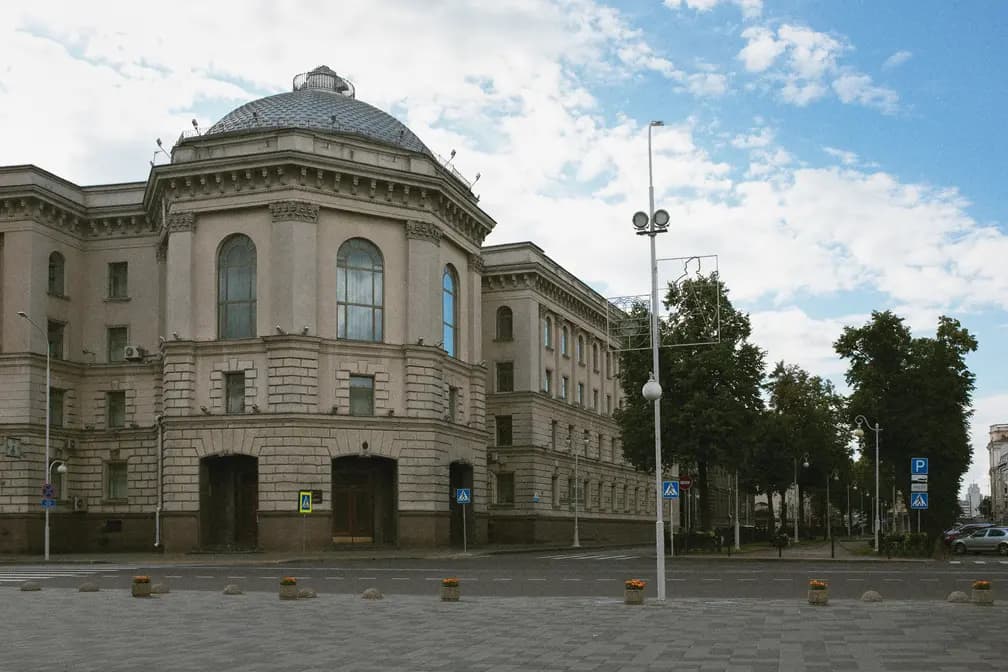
(987, 539)
(963, 531)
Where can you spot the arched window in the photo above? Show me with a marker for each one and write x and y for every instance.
(595, 361)
(56, 267)
(505, 324)
(236, 288)
(449, 310)
(359, 291)
(563, 340)
(548, 332)
(580, 349)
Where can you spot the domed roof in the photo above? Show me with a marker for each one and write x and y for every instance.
(322, 101)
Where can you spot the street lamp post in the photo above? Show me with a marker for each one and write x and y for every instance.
(829, 509)
(848, 508)
(859, 432)
(45, 465)
(577, 488)
(805, 464)
(651, 226)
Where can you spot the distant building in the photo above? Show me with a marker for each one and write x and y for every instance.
(973, 498)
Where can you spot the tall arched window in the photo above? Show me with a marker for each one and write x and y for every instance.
(359, 291)
(595, 361)
(505, 324)
(236, 288)
(56, 267)
(548, 332)
(449, 310)
(563, 340)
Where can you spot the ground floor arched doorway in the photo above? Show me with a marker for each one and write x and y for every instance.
(229, 502)
(364, 500)
(460, 475)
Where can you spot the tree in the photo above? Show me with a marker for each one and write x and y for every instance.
(984, 508)
(711, 393)
(919, 390)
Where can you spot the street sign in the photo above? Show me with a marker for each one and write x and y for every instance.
(685, 482)
(918, 478)
(670, 489)
(918, 487)
(49, 491)
(305, 501)
(919, 500)
(48, 503)
(463, 495)
(918, 465)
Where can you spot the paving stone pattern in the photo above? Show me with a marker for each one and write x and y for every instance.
(65, 631)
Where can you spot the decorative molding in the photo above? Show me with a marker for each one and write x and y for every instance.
(551, 288)
(294, 211)
(181, 221)
(476, 263)
(423, 231)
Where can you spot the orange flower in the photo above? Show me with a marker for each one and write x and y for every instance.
(451, 582)
(141, 579)
(288, 581)
(634, 584)
(981, 585)
(818, 584)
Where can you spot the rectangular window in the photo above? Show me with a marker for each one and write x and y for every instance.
(115, 480)
(586, 440)
(563, 387)
(115, 409)
(55, 332)
(608, 365)
(234, 390)
(570, 438)
(570, 493)
(555, 492)
(598, 454)
(595, 400)
(598, 496)
(580, 394)
(55, 407)
(505, 488)
(608, 404)
(117, 277)
(361, 395)
(505, 376)
(453, 395)
(553, 434)
(503, 430)
(612, 449)
(548, 383)
(116, 338)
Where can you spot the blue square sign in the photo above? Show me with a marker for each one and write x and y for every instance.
(919, 500)
(463, 495)
(670, 489)
(918, 465)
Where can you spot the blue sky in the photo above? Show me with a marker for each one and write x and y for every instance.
(839, 157)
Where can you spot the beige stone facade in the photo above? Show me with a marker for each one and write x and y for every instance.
(293, 303)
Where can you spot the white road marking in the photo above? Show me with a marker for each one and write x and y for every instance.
(426, 578)
(572, 579)
(929, 579)
(367, 578)
(606, 579)
(780, 579)
(537, 579)
(334, 578)
(979, 562)
(199, 576)
(852, 579)
(236, 577)
(893, 580)
(746, 580)
(179, 576)
(400, 578)
(711, 579)
(503, 579)
(955, 562)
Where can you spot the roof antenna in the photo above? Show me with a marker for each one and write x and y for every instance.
(196, 126)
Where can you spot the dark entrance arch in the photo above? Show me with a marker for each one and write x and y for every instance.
(229, 502)
(363, 500)
(460, 475)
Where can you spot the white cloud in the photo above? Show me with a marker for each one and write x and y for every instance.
(760, 138)
(707, 84)
(896, 60)
(750, 8)
(805, 64)
(847, 158)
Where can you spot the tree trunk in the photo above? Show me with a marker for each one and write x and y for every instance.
(800, 510)
(771, 521)
(705, 500)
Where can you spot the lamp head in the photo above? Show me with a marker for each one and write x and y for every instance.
(61, 469)
(805, 464)
(859, 433)
(657, 123)
(640, 220)
(661, 218)
(652, 389)
(21, 313)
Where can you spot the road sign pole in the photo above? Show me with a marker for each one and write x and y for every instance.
(465, 540)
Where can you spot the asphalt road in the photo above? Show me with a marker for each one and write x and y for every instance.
(568, 574)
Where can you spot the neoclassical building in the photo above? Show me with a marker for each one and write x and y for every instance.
(300, 300)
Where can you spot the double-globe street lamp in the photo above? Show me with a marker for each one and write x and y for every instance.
(859, 433)
(651, 226)
(805, 465)
(47, 464)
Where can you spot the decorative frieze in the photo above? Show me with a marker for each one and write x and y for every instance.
(476, 263)
(423, 231)
(181, 221)
(294, 211)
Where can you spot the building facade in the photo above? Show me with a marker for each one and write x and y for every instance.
(997, 455)
(294, 303)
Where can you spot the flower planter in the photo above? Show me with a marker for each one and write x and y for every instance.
(633, 596)
(141, 588)
(818, 596)
(288, 589)
(450, 593)
(985, 597)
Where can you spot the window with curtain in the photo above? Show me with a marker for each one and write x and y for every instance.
(56, 268)
(449, 310)
(236, 288)
(360, 296)
(505, 324)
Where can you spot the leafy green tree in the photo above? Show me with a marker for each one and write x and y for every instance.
(919, 390)
(711, 393)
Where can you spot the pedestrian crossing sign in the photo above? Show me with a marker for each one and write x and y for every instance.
(670, 489)
(919, 500)
(305, 501)
(463, 495)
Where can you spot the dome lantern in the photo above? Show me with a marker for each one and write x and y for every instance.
(324, 78)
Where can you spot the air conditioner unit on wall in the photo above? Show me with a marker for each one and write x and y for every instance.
(133, 353)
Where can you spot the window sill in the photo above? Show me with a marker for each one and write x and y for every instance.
(117, 299)
(503, 505)
(61, 297)
(124, 500)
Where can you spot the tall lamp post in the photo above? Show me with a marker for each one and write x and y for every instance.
(577, 486)
(833, 476)
(859, 433)
(805, 464)
(651, 226)
(46, 464)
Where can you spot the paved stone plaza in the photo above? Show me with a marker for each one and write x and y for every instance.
(66, 631)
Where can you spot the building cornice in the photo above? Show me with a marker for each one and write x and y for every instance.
(294, 211)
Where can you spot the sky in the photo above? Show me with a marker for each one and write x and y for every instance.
(837, 157)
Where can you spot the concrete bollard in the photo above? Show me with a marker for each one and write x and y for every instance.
(871, 596)
(31, 586)
(88, 587)
(372, 594)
